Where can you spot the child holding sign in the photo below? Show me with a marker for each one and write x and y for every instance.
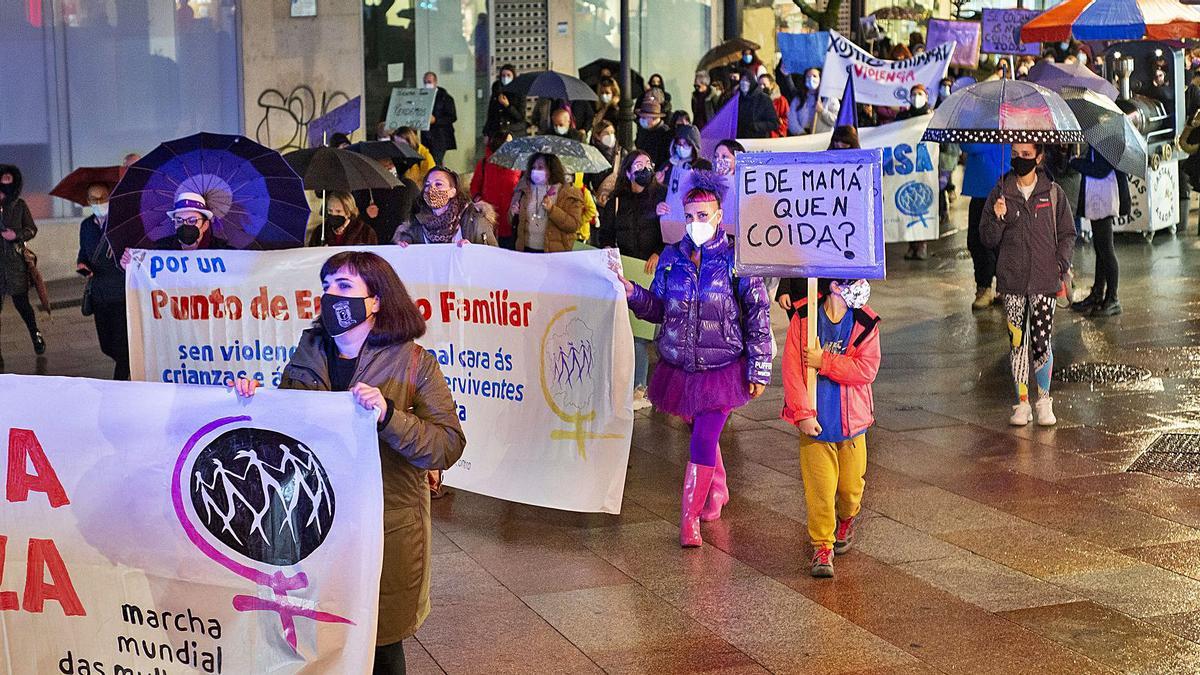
(714, 346)
(833, 447)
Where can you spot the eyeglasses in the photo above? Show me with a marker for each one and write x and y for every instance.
(194, 221)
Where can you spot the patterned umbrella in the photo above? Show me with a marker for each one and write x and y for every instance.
(1003, 111)
(257, 200)
(74, 187)
(726, 53)
(327, 168)
(1055, 76)
(1114, 20)
(549, 84)
(1108, 130)
(576, 157)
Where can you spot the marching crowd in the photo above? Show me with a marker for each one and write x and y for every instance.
(714, 348)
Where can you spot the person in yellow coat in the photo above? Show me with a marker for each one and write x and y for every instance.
(417, 172)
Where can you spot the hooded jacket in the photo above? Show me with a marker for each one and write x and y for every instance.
(709, 319)
(15, 216)
(756, 113)
(854, 370)
(1034, 239)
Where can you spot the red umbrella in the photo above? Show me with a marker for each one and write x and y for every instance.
(74, 187)
(1114, 20)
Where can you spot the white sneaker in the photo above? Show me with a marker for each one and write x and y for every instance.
(640, 402)
(1022, 414)
(1045, 412)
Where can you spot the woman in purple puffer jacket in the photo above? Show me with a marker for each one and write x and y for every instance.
(714, 345)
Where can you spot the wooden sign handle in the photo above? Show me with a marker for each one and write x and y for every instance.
(811, 340)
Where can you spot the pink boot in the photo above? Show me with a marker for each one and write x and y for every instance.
(696, 481)
(718, 494)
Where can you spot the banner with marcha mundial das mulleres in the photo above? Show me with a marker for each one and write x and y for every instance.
(537, 350)
(153, 528)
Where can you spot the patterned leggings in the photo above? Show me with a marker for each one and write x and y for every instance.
(1030, 324)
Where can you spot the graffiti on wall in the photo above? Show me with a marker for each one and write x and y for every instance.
(283, 124)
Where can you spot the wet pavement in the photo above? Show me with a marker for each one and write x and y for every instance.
(982, 548)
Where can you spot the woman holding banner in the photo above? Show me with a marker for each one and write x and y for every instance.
(364, 344)
(714, 346)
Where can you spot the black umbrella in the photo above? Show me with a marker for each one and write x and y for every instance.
(333, 169)
(550, 84)
(385, 150)
(591, 74)
(726, 53)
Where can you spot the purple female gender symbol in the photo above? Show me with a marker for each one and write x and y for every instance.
(279, 582)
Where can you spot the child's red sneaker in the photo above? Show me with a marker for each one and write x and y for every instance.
(843, 535)
(822, 563)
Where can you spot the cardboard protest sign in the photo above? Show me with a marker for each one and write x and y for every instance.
(1002, 31)
(810, 214)
(910, 173)
(964, 35)
(345, 118)
(802, 51)
(160, 528)
(410, 107)
(537, 350)
(880, 81)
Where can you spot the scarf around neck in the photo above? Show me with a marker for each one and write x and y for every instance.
(441, 229)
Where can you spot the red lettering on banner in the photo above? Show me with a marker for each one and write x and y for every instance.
(44, 557)
(8, 599)
(24, 448)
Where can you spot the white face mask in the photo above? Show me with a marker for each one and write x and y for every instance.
(683, 151)
(100, 210)
(608, 140)
(430, 85)
(560, 130)
(814, 83)
(646, 122)
(700, 232)
(505, 80)
(723, 166)
(744, 87)
(538, 176)
(606, 98)
(944, 91)
(855, 294)
(919, 101)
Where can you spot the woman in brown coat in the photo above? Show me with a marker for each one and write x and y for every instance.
(342, 226)
(548, 210)
(364, 343)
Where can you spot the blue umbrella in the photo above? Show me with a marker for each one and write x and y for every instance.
(257, 200)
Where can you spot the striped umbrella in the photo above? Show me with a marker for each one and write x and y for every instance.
(1108, 130)
(1003, 111)
(1114, 20)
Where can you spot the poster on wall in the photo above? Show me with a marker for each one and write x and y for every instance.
(304, 7)
(537, 350)
(171, 529)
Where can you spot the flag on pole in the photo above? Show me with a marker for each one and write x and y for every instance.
(722, 125)
(848, 114)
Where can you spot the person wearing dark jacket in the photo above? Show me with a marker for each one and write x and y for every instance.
(704, 100)
(506, 110)
(756, 113)
(629, 223)
(16, 228)
(1103, 195)
(377, 360)
(340, 225)
(104, 295)
(439, 138)
(653, 135)
(1028, 221)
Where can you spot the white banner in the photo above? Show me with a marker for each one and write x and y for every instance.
(910, 173)
(879, 81)
(537, 350)
(151, 528)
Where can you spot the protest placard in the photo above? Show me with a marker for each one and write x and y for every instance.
(880, 81)
(410, 107)
(964, 35)
(345, 119)
(1002, 31)
(537, 350)
(910, 173)
(166, 529)
(802, 51)
(810, 214)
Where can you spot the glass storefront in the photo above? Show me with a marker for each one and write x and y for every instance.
(103, 78)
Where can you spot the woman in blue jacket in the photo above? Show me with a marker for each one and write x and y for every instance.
(985, 164)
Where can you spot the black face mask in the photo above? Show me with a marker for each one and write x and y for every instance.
(1023, 166)
(9, 190)
(334, 222)
(643, 177)
(340, 314)
(187, 234)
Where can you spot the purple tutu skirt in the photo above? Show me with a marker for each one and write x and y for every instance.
(674, 390)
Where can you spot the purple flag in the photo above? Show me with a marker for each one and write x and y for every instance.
(722, 125)
(964, 33)
(344, 119)
(848, 113)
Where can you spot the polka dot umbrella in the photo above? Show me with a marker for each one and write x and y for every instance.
(1004, 111)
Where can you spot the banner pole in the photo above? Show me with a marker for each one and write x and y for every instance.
(811, 340)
